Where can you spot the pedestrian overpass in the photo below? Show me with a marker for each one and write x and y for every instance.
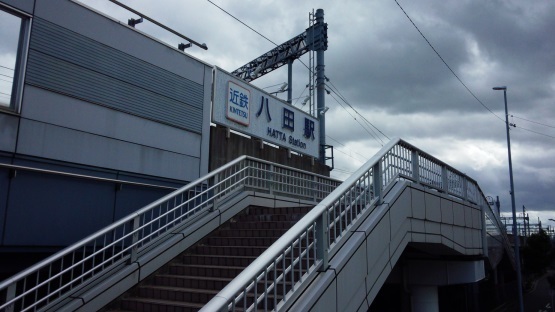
(336, 258)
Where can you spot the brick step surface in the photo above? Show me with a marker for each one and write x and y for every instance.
(204, 270)
(260, 225)
(251, 233)
(154, 305)
(184, 281)
(272, 217)
(234, 261)
(191, 279)
(181, 294)
(240, 241)
(279, 210)
(229, 250)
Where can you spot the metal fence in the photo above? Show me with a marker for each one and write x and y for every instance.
(271, 280)
(125, 241)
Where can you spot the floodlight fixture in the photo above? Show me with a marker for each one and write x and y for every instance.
(183, 46)
(132, 22)
(324, 110)
(306, 99)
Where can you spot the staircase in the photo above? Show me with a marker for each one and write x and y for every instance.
(190, 280)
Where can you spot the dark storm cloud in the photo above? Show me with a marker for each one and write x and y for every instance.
(381, 64)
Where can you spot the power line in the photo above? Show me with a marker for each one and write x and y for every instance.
(363, 157)
(240, 21)
(361, 117)
(311, 72)
(372, 135)
(336, 91)
(6, 76)
(343, 171)
(538, 123)
(7, 67)
(444, 62)
(546, 135)
(237, 19)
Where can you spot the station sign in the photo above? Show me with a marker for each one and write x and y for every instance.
(245, 108)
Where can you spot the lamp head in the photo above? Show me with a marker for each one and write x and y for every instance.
(500, 88)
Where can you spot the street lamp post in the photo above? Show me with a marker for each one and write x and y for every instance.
(515, 233)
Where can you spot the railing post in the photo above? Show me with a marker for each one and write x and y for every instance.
(135, 239)
(444, 179)
(415, 167)
(271, 180)
(377, 180)
(484, 231)
(313, 187)
(465, 188)
(215, 201)
(322, 237)
(10, 294)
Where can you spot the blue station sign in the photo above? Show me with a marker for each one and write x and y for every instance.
(245, 108)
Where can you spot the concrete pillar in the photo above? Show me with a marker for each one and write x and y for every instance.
(424, 298)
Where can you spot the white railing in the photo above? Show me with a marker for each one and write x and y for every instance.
(125, 241)
(271, 280)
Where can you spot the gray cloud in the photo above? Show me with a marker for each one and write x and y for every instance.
(381, 64)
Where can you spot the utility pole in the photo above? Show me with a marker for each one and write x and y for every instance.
(515, 230)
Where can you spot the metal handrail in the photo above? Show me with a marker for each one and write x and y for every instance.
(125, 241)
(259, 286)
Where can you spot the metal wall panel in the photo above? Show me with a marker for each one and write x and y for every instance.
(4, 191)
(23, 5)
(66, 62)
(58, 143)
(69, 112)
(60, 211)
(8, 132)
(116, 34)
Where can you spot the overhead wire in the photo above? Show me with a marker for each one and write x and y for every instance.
(536, 132)
(336, 91)
(538, 123)
(444, 62)
(375, 137)
(460, 80)
(240, 21)
(363, 157)
(6, 67)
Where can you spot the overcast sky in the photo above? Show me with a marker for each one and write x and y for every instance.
(385, 69)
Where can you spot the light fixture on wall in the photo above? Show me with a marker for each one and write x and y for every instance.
(132, 22)
(183, 46)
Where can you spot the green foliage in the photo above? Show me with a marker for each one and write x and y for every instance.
(537, 253)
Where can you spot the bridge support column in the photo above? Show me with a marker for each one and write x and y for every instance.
(424, 298)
